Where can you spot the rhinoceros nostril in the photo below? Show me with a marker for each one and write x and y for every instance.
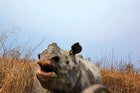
(55, 59)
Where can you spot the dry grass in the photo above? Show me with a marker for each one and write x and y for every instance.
(15, 75)
(121, 81)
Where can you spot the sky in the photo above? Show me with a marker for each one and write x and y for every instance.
(99, 25)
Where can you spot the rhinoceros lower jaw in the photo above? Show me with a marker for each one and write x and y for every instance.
(47, 71)
(45, 74)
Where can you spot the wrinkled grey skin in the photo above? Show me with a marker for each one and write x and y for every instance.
(71, 73)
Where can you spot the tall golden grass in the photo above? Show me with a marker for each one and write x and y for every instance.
(121, 81)
(120, 76)
(16, 72)
(17, 75)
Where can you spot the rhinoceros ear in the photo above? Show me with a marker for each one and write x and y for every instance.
(76, 48)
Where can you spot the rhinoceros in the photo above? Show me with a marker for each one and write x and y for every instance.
(66, 71)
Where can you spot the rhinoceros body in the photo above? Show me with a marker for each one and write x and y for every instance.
(66, 71)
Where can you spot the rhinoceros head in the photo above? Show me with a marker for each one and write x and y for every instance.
(59, 70)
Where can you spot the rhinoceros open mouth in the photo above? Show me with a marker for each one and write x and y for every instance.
(46, 70)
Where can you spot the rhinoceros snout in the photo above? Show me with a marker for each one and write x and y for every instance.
(50, 61)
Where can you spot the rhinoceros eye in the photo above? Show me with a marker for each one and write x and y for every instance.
(38, 56)
(67, 62)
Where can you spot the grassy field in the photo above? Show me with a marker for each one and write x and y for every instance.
(121, 81)
(16, 74)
